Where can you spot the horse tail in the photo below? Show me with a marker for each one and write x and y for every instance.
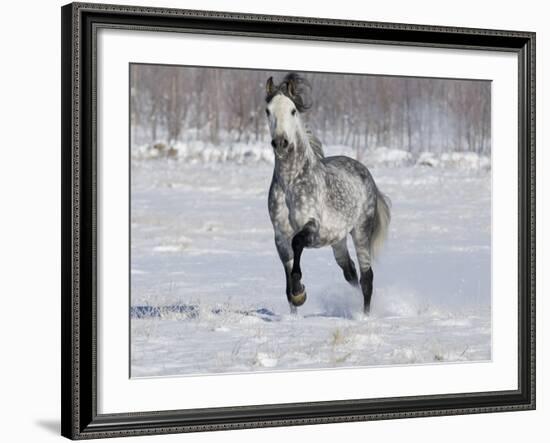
(382, 219)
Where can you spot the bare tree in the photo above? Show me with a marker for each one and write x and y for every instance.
(215, 105)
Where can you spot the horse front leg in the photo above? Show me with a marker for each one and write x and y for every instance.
(284, 248)
(307, 237)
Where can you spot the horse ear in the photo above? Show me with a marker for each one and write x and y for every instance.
(270, 86)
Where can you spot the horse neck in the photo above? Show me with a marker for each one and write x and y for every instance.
(304, 161)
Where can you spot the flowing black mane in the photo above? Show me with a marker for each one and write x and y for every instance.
(293, 86)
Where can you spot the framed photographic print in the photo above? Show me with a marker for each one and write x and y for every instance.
(273, 221)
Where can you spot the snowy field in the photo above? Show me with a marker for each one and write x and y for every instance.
(208, 290)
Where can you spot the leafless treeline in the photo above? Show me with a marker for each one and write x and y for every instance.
(171, 103)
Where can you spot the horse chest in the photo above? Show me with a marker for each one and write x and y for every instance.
(302, 207)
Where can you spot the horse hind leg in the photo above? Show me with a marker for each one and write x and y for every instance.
(360, 237)
(342, 257)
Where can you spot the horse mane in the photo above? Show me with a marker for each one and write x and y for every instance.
(315, 143)
(297, 89)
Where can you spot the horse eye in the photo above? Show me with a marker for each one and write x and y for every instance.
(293, 112)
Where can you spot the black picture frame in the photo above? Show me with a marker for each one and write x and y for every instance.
(79, 211)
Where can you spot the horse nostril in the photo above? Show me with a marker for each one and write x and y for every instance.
(279, 142)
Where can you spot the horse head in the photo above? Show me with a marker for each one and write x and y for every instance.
(285, 103)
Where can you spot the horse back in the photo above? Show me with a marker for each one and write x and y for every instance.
(350, 188)
(348, 173)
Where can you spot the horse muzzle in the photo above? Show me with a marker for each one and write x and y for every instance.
(281, 146)
(279, 142)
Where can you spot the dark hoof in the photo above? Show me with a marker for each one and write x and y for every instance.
(298, 299)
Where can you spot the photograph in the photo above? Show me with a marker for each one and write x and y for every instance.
(283, 218)
(289, 220)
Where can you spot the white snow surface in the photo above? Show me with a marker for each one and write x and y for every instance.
(206, 275)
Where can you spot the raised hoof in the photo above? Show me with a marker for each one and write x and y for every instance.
(298, 299)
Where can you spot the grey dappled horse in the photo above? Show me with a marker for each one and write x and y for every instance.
(315, 201)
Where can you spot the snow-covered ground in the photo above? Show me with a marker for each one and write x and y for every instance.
(207, 287)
